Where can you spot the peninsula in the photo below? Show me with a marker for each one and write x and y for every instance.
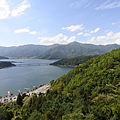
(5, 64)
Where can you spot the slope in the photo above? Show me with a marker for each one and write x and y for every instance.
(94, 88)
(73, 61)
(76, 49)
(25, 50)
(56, 51)
(91, 91)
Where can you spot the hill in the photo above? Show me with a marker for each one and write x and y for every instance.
(76, 49)
(23, 51)
(55, 51)
(91, 91)
(73, 61)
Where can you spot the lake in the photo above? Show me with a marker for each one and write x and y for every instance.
(28, 73)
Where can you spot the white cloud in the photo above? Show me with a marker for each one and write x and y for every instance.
(20, 8)
(73, 28)
(33, 32)
(95, 31)
(117, 41)
(113, 23)
(109, 38)
(109, 4)
(25, 30)
(81, 3)
(60, 39)
(81, 33)
(86, 34)
(4, 9)
(6, 12)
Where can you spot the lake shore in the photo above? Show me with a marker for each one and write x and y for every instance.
(43, 89)
(24, 76)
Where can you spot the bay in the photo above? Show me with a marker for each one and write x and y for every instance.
(28, 73)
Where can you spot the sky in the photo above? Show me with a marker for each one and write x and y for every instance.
(47, 22)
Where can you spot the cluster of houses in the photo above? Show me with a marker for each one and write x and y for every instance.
(8, 98)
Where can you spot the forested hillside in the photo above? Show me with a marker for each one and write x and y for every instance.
(76, 49)
(55, 51)
(73, 61)
(91, 91)
(23, 51)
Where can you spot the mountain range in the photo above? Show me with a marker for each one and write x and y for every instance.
(56, 51)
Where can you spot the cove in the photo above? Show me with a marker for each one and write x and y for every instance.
(28, 73)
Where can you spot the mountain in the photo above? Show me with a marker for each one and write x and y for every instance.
(91, 91)
(71, 62)
(76, 49)
(23, 51)
(56, 51)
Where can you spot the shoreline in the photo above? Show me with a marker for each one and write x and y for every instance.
(67, 66)
(41, 89)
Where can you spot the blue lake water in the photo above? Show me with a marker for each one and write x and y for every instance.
(29, 74)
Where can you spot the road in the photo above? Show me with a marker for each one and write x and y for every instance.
(42, 89)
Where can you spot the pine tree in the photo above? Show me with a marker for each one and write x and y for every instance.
(19, 100)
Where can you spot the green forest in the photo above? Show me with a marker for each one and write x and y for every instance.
(91, 91)
(74, 49)
(73, 61)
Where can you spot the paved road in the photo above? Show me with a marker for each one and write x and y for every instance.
(42, 89)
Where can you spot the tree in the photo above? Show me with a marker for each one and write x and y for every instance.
(35, 115)
(4, 114)
(19, 100)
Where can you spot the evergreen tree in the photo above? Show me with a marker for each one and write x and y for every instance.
(19, 100)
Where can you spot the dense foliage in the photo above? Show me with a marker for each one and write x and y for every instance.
(73, 61)
(91, 91)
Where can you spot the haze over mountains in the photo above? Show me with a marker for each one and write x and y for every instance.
(56, 51)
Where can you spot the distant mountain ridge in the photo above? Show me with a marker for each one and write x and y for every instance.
(56, 51)
(76, 49)
(29, 50)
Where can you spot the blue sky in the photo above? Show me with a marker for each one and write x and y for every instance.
(46, 22)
